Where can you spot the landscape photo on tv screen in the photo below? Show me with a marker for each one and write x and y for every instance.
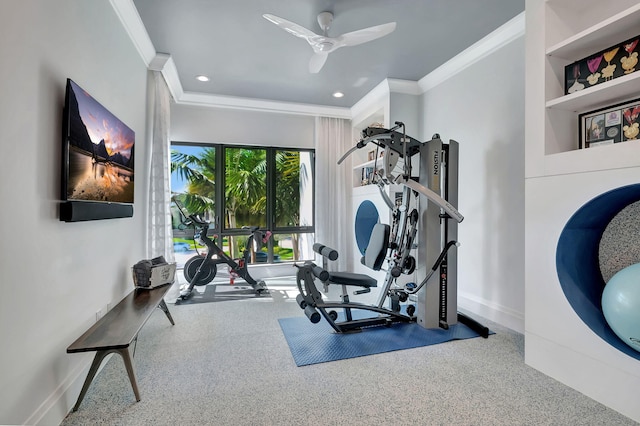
(99, 151)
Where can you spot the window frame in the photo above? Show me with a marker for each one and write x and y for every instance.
(218, 226)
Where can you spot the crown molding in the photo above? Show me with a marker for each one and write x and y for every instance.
(159, 62)
(250, 104)
(502, 36)
(406, 87)
(378, 98)
(374, 97)
(128, 15)
(164, 63)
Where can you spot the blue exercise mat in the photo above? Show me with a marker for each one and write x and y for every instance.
(315, 343)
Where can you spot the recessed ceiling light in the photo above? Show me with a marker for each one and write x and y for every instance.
(202, 78)
(338, 94)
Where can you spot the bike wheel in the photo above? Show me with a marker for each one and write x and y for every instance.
(207, 271)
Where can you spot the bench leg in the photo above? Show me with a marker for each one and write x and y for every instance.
(165, 309)
(128, 363)
(97, 360)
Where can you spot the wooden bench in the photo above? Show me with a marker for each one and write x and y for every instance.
(115, 332)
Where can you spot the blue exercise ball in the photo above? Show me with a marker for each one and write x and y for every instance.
(621, 305)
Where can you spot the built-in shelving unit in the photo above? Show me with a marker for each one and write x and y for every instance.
(611, 92)
(361, 157)
(560, 178)
(600, 35)
(574, 30)
(361, 192)
(359, 171)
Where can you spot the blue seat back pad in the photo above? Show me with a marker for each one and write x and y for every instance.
(376, 250)
(348, 278)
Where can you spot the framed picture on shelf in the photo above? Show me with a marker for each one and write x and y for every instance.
(371, 155)
(613, 124)
(601, 67)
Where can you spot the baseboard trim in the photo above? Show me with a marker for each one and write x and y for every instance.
(495, 312)
(58, 405)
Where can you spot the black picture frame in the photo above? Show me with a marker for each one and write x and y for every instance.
(608, 64)
(610, 125)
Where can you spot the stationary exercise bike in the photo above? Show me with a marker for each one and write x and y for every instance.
(201, 269)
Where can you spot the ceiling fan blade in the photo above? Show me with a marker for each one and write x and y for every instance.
(290, 27)
(317, 62)
(367, 34)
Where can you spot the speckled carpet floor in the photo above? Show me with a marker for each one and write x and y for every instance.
(229, 364)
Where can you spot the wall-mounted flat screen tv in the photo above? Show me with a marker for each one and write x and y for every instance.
(98, 157)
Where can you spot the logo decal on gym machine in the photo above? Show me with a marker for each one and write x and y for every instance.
(435, 179)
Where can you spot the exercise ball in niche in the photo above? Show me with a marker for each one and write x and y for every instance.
(621, 305)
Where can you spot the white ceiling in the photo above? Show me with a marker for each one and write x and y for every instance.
(247, 56)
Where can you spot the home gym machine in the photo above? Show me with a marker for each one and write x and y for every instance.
(427, 203)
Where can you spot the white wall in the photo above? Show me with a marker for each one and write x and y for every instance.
(482, 107)
(234, 126)
(56, 275)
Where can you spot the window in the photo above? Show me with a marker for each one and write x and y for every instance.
(245, 183)
(236, 187)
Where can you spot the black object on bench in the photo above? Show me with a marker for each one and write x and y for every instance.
(115, 332)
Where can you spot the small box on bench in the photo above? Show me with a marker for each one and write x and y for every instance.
(153, 273)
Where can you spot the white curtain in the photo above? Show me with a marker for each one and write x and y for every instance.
(159, 232)
(334, 224)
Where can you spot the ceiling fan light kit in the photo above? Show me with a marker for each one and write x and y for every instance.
(323, 44)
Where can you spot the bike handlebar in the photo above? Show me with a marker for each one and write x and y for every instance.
(198, 220)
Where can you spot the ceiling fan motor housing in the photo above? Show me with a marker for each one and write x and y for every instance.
(324, 20)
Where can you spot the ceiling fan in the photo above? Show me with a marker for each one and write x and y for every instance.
(323, 44)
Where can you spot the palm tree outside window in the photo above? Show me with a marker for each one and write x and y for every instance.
(243, 186)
